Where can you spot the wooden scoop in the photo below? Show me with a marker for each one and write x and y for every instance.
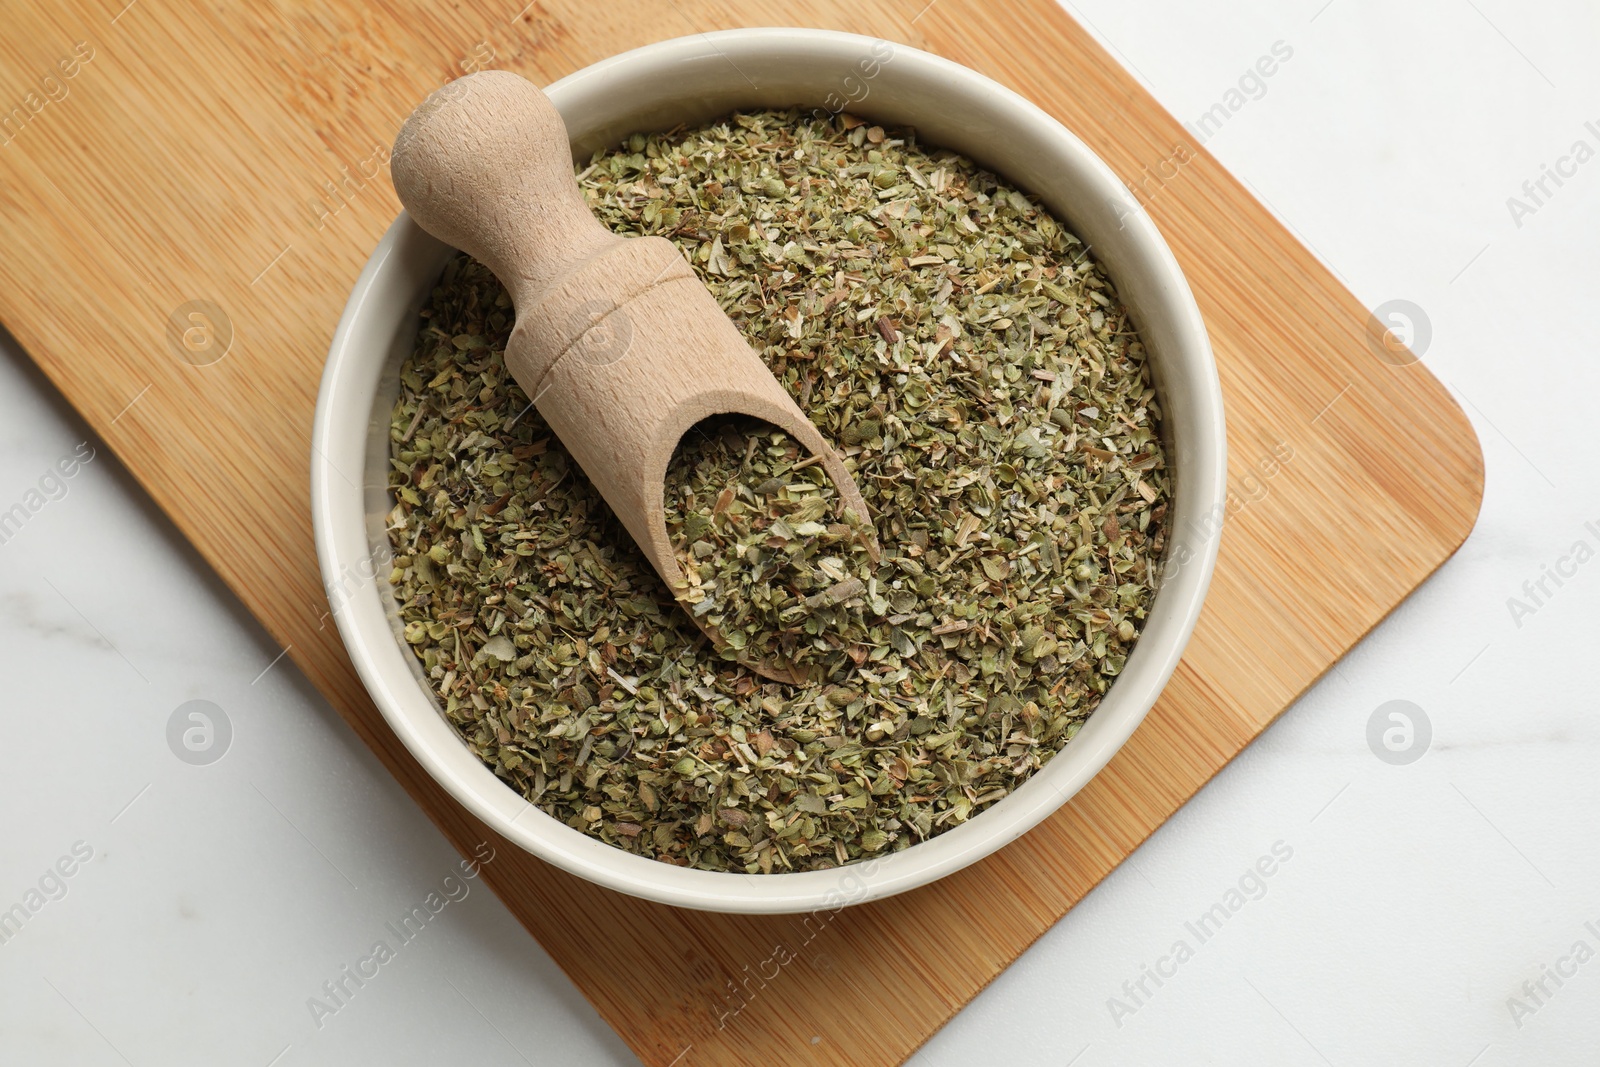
(618, 344)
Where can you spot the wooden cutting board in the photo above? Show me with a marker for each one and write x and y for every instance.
(235, 155)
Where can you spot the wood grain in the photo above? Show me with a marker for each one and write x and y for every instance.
(235, 155)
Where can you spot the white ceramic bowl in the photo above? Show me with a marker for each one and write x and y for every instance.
(699, 78)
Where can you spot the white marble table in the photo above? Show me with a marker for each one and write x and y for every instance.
(1429, 912)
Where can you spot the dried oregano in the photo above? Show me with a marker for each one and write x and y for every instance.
(976, 368)
(771, 562)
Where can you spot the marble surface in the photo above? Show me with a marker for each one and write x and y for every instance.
(1446, 910)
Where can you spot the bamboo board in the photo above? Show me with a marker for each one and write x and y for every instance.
(234, 155)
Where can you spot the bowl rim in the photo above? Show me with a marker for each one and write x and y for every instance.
(340, 519)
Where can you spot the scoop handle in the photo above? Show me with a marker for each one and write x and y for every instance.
(617, 342)
(484, 164)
